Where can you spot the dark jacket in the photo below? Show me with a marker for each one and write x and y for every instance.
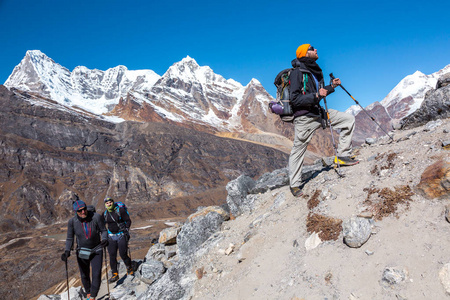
(89, 232)
(305, 102)
(117, 222)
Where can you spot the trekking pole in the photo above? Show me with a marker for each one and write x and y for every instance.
(332, 137)
(106, 266)
(129, 251)
(67, 277)
(372, 118)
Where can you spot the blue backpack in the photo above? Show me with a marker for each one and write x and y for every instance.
(117, 206)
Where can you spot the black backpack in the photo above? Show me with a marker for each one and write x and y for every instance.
(282, 106)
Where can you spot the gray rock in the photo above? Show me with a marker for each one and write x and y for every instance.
(221, 210)
(279, 200)
(171, 251)
(50, 297)
(432, 125)
(370, 141)
(326, 161)
(436, 105)
(75, 294)
(258, 220)
(168, 236)
(174, 284)
(120, 292)
(444, 80)
(444, 276)
(396, 125)
(271, 181)
(238, 190)
(356, 231)
(150, 271)
(193, 234)
(394, 275)
(446, 143)
(310, 171)
(249, 235)
(156, 252)
(251, 202)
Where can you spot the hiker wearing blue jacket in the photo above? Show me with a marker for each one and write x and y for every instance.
(89, 229)
(118, 222)
(306, 91)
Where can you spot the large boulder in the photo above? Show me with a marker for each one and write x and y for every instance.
(270, 181)
(174, 284)
(238, 190)
(203, 211)
(194, 233)
(436, 105)
(435, 180)
(168, 236)
(150, 271)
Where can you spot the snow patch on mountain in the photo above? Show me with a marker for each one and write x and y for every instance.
(415, 86)
(353, 110)
(95, 91)
(186, 92)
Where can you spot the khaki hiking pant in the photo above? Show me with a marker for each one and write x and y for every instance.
(304, 127)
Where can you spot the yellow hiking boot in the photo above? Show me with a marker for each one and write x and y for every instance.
(345, 161)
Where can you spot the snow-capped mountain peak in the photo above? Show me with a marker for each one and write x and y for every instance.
(407, 96)
(95, 91)
(187, 93)
(188, 70)
(254, 81)
(34, 73)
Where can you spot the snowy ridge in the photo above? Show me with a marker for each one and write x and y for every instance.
(353, 110)
(186, 92)
(92, 90)
(415, 86)
(197, 94)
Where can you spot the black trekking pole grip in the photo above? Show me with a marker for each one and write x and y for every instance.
(332, 77)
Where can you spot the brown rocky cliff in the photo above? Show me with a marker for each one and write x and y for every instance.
(48, 152)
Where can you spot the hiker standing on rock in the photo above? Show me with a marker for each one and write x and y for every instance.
(307, 89)
(89, 229)
(118, 222)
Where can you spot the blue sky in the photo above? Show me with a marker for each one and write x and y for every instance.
(370, 45)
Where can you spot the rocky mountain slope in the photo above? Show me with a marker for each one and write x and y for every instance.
(51, 155)
(378, 232)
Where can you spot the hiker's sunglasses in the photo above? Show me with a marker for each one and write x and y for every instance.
(82, 209)
(311, 48)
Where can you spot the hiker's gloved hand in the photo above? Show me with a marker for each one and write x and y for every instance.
(104, 243)
(65, 255)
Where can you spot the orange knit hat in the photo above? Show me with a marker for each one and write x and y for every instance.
(302, 50)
